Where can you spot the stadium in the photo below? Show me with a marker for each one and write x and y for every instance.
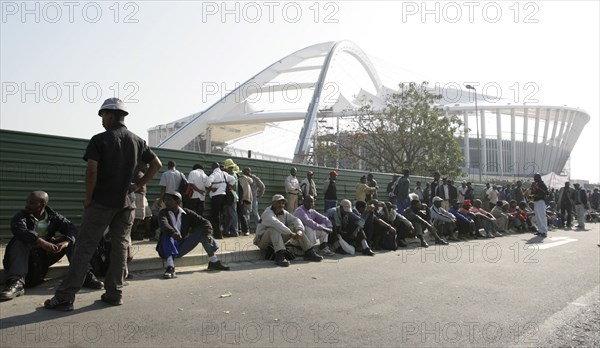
(281, 112)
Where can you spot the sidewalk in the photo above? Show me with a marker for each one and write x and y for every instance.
(145, 257)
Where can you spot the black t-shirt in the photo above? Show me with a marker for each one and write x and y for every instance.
(117, 152)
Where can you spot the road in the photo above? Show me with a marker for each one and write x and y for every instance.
(508, 291)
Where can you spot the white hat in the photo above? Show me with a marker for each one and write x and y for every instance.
(277, 198)
(346, 205)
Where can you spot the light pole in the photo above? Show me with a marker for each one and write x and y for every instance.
(477, 122)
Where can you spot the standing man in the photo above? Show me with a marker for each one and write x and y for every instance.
(402, 191)
(371, 182)
(170, 180)
(517, 192)
(580, 199)
(565, 204)
(433, 187)
(258, 189)
(292, 190)
(217, 182)
(539, 191)
(308, 187)
(197, 178)
(109, 203)
(461, 192)
(330, 196)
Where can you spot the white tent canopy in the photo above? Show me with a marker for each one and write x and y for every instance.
(555, 181)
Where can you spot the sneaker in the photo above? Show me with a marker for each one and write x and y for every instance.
(14, 288)
(91, 282)
(497, 234)
(543, 235)
(111, 301)
(326, 251)
(402, 243)
(368, 252)
(280, 259)
(217, 266)
(170, 273)
(311, 255)
(441, 242)
(424, 244)
(246, 233)
(58, 304)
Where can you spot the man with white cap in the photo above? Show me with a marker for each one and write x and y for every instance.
(348, 226)
(277, 226)
(308, 186)
(112, 157)
(443, 220)
(292, 190)
(181, 230)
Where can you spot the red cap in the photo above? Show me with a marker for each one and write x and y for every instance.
(467, 202)
(333, 172)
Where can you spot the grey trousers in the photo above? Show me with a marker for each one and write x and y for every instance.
(277, 240)
(96, 218)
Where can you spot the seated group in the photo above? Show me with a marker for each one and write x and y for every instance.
(41, 236)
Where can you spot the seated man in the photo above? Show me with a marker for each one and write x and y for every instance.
(348, 226)
(552, 215)
(464, 221)
(401, 224)
(276, 227)
(421, 221)
(41, 237)
(501, 216)
(443, 220)
(316, 225)
(380, 234)
(484, 220)
(181, 229)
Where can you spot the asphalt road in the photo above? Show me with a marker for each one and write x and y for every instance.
(509, 291)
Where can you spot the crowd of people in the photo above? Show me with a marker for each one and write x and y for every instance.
(116, 207)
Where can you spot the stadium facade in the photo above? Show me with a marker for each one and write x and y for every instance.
(499, 139)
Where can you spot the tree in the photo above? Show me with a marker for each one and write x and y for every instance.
(410, 132)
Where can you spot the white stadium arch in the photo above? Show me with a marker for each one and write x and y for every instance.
(514, 140)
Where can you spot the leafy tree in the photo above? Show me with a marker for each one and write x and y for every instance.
(410, 132)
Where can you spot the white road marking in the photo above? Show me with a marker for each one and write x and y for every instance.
(556, 241)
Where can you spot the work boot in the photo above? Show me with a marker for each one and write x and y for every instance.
(368, 252)
(91, 282)
(14, 288)
(280, 259)
(217, 266)
(402, 243)
(311, 255)
(441, 242)
(170, 273)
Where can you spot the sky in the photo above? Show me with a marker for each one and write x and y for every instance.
(60, 60)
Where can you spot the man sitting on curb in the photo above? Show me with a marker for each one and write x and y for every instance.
(348, 226)
(316, 225)
(181, 229)
(443, 220)
(420, 221)
(41, 237)
(276, 227)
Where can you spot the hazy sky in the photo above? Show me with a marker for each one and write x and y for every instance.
(60, 60)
